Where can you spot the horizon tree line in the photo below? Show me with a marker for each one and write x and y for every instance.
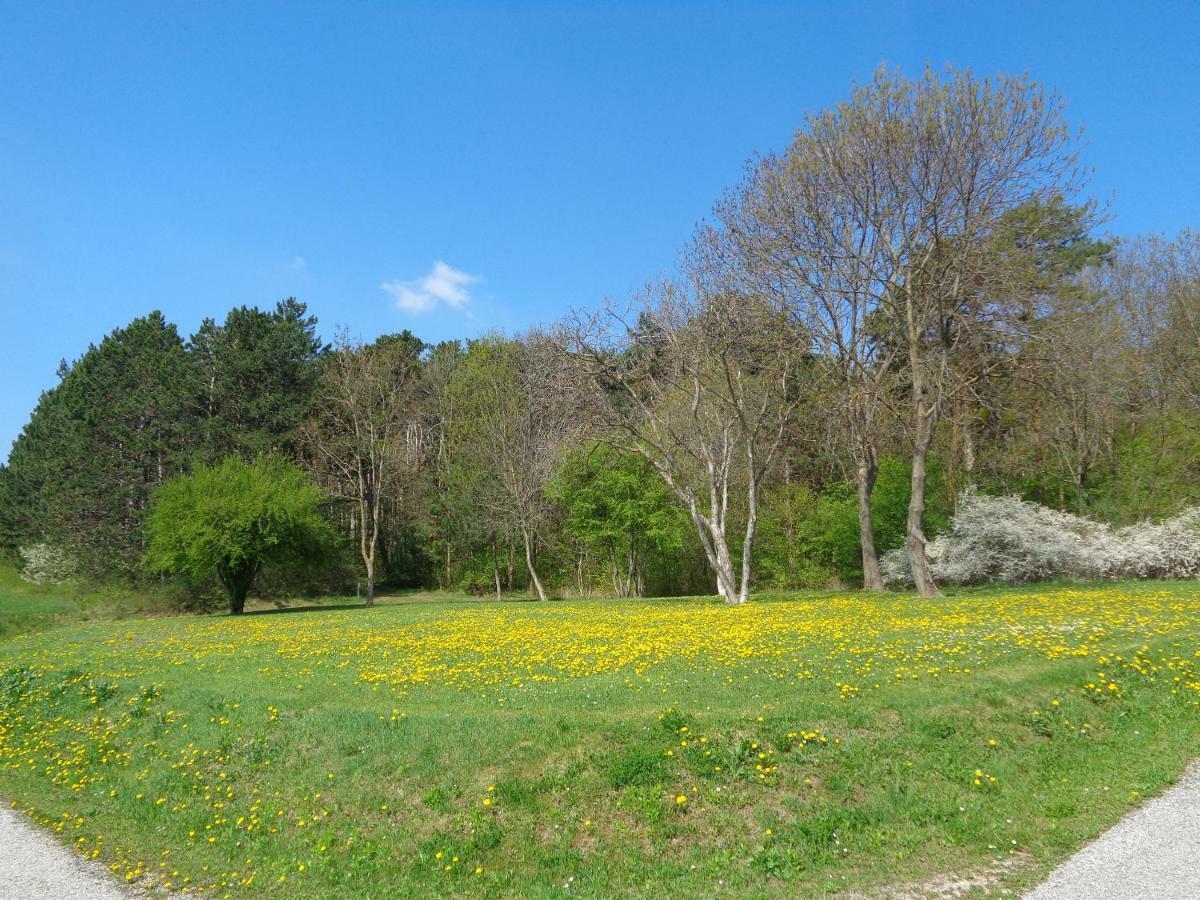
(911, 298)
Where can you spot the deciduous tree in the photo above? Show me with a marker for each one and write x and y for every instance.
(230, 519)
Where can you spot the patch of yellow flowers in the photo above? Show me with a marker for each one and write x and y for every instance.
(492, 646)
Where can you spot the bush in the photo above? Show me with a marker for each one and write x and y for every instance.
(1006, 540)
(46, 564)
(1169, 549)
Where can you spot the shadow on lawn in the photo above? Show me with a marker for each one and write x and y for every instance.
(413, 598)
(324, 607)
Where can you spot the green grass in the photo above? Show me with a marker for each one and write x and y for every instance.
(359, 753)
(28, 607)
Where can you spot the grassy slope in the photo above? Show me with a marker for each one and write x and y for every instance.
(396, 751)
(26, 607)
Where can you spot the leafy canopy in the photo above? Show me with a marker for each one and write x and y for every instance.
(231, 518)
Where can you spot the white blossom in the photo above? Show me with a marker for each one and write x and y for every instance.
(1007, 540)
(46, 564)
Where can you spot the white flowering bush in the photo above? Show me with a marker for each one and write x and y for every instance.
(46, 564)
(1168, 549)
(1007, 540)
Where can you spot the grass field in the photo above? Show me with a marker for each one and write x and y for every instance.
(797, 746)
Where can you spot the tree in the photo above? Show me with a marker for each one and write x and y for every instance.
(881, 231)
(702, 385)
(116, 425)
(511, 428)
(616, 506)
(365, 439)
(255, 379)
(230, 519)
(799, 230)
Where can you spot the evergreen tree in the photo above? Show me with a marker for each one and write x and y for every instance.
(117, 424)
(255, 378)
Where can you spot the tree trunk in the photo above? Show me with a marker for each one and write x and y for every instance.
(865, 472)
(369, 541)
(496, 569)
(237, 601)
(631, 572)
(716, 549)
(748, 540)
(533, 576)
(915, 537)
(237, 581)
(925, 415)
(368, 556)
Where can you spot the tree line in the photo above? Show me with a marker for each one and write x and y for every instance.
(912, 298)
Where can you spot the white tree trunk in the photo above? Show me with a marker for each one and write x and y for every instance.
(533, 575)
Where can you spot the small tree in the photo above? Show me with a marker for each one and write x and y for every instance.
(231, 519)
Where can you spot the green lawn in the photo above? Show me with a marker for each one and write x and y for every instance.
(799, 746)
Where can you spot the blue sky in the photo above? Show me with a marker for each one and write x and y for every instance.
(192, 156)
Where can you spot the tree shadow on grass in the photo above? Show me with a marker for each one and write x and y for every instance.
(325, 607)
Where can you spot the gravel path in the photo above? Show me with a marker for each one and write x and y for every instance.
(1152, 852)
(33, 866)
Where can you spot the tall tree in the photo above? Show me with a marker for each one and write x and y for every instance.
(702, 385)
(799, 229)
(366, 440)
(902, 189)
(116, 425)
(256, 378)
(513, 422)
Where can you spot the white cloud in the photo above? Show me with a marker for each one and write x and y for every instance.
(297, 264)
(444, 284)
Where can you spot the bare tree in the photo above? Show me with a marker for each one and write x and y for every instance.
(1174, 269)
(366, 441)
(800, 229)
(511, 429)
(898, 193)
(702, 386)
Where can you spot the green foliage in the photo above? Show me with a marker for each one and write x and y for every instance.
(616, 505)
(255, 379)
(785, 557)
(116, 425)
(811, 539)
(1053, 240)
(637, 764)
(233, 518)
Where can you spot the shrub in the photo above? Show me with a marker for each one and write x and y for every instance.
(1006, 540)
(1168, 549)
(46, 564)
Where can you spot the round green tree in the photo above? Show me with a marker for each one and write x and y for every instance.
(232, 518)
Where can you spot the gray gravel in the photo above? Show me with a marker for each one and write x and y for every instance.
(33, 866)
(1152, 852)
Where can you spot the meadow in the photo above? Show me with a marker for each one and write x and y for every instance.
(801, 745)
